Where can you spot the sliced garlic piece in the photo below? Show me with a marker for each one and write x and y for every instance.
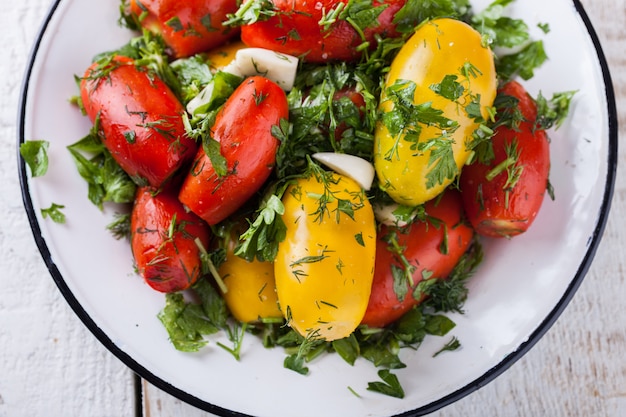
(351, 166)
(200, 100)
(385, 214)
(393, 214)
(233, 68)
(206, 96)
(280, 68)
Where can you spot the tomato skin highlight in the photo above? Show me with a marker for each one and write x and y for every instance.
(493, 207)
(296, 31)
(140, 120)
(324, 267)
(243, 128)
(422, 241)
(187, 27)
(438, 49)
(162, 241)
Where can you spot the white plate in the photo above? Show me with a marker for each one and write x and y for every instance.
(517, 294)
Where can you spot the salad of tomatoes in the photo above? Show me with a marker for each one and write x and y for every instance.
(319, 174)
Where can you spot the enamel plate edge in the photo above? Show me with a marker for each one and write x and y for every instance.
(542, 268)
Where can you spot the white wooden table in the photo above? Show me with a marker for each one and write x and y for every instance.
(51, 365)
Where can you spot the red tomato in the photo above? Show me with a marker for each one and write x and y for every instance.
(139, 119)
(162, 241)
(243, 128)
(188, 27)
(500, 201)
(295, 29)
(421, 243)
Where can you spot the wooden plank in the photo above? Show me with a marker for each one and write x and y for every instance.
(578, 368)
(50, 364)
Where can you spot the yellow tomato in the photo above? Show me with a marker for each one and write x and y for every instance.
(425, 136)
(251, 288)
(221, 56)
(324, 267)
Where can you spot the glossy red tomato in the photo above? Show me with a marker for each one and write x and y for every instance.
(432, 248)
(243, 128)
(139, 119)
(163, 237)
(295, 29)
(188, 27)
(502, 198)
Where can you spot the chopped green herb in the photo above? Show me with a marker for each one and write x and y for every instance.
(498, 29)
(348, 348)
(438, 325)
(35, 154)
(184, 323)
(251, 12)
(105, 179)
(522, 63)
(175, 24)
(213, 150)
(54, 212)
(389, 385)
(414, 12)
(193, 74)
(453, 344)
(295, 363)
(266, 231)
(450, 294)
(545, 27)
(120, 226)
(206, 22)
(553, 112)
(187, 322)
(235, 335)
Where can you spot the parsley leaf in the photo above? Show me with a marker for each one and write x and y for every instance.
(414, 12)
(553, 112)
(266, 231)
(449, 88)
(193, 74)
(453, 344)
(184, 323)
(295, 363)
(35, 154)
(389, 385)
(522, 63)
(438, 325)
(187, 323)
(250, 12)
(105, 178)
(498, 29)
(212, 149)
(348, 348)
(127, 18)
(54, 212)
(358, 13)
